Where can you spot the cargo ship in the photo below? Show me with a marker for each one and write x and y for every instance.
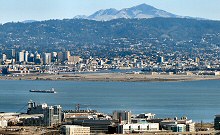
(43, 91)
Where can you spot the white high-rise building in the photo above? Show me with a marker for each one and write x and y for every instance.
(47, 58)
(4, 57)
(21, 56)
(26, 56)
(68, 54)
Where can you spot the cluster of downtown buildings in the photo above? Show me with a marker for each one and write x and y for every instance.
(27, 62)
(84, 122)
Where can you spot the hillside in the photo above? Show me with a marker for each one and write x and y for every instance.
(72, 33)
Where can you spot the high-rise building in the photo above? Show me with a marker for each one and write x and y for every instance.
(57, 114)
(197, 60)
(48, 116)
(60, 57)
(47, 58)
(68, 54)
(26, 56)
(4, 57)
(21, 56)
(54, 57)
(52, 115)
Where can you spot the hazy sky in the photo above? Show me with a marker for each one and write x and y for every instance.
(19, 10)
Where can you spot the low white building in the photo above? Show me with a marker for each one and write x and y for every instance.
(137, 128)
(3, 123)
(75, 130)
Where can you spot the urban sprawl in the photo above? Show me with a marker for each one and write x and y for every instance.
(27, 62)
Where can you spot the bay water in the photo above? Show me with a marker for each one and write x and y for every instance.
(198, 100)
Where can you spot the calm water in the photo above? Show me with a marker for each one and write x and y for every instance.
(198, 100)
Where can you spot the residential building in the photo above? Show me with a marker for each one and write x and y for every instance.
(48, 116)
(52, 115)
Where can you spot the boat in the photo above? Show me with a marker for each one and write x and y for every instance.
(43, 91)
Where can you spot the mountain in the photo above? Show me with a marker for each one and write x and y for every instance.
(107, 14)
(140, 11)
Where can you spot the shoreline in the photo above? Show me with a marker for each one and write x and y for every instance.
(111, 77)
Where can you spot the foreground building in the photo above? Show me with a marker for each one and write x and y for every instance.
(181, 125)
(75, 130)
(137, 128)
(3, 123)
(122, 116)
(52, 115)
(217, 122)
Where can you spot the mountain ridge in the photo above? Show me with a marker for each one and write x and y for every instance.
(135, 12)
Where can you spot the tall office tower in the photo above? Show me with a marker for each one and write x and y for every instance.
(4, 57)
(21, 56)
(47, 58)
(67, 56)
(122, 116)
(197, 60)
(13, 53)
(54, 57)
(26, 56)
(49, 116)
(60, 57)
(37, 59)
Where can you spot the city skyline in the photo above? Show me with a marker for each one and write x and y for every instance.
(13, 11)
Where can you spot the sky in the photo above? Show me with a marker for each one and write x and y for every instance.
(20, 10)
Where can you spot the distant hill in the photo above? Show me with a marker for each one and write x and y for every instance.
(140, 11)
(29, 21)
(177, 33)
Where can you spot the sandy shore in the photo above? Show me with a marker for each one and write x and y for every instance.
(111, 77)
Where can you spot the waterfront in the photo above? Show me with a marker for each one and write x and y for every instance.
(196, 99)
